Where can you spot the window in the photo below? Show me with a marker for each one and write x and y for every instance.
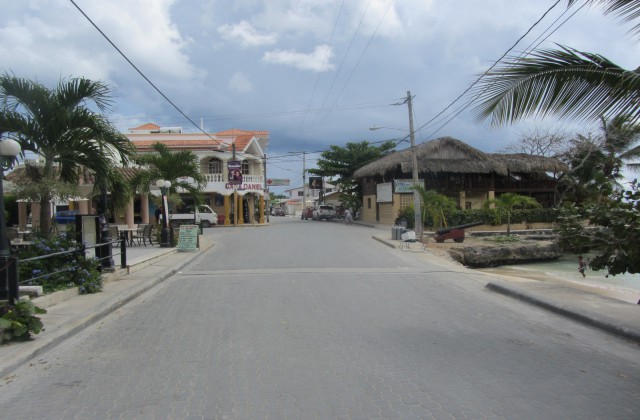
(245, 167)
(368, 202)
(214, 166)
(300, 193)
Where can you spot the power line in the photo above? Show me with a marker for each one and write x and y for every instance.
(489, 69)
(138, 70)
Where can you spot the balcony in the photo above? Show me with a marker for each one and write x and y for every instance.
(246, 179)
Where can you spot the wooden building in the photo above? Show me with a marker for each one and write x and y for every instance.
(455, 169)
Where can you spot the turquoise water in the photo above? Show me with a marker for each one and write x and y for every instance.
(567, 267)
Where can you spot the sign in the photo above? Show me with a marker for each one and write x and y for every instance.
(235, 172)
(188, 240)
(383, 193)
(315, 182)
(278, 182)
(405, 186)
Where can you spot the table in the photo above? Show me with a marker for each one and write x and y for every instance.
(129, 233)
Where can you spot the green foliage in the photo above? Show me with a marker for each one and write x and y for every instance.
(613, 231)
(492, 216)
(434, 206)
(73, 269)
(171, 166)
(339, 164)
(507, 202)
(409, 214)
(18, 322)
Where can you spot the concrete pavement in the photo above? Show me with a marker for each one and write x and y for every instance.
(608, 314)
(149, 266)
(68, 312)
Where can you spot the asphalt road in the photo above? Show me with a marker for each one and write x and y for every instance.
(307, 320)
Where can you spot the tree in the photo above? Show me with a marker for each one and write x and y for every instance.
(170, 166)
(58, 126)
(564, 82)
(540, 142)
(341, 162)
(614, 231)
(435, 205)
(507, 202)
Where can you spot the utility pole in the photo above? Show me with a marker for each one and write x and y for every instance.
(267, 194)
(414, 163)
(304, 182)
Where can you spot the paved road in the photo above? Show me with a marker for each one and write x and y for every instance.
(309, 320)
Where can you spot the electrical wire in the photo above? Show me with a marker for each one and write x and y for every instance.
(138, 70)
(490, 68)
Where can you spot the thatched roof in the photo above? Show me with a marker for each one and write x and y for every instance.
(447, 154)
(444, 154)
(524, 163)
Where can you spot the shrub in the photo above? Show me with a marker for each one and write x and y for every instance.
(18, 322)
(70, 269)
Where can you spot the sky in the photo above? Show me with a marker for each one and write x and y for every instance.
(313, 73)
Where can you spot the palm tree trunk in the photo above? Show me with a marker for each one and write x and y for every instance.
(45, 199)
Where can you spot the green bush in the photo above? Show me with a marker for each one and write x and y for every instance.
(59, 272)
(18, 322)
(493, 217)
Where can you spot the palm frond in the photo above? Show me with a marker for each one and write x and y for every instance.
(564, 82)
(627, 10)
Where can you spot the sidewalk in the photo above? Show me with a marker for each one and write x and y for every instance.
(608, 314)
(69, 313)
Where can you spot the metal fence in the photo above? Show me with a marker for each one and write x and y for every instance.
(10, 283)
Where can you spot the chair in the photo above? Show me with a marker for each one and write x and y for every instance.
(144, 233)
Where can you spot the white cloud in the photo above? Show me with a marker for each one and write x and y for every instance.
(246, 35)
(318, 60)
(240, 83)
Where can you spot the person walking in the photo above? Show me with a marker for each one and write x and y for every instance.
(348, 219)
(582, 266)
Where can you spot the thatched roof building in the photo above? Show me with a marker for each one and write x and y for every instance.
(447, 154)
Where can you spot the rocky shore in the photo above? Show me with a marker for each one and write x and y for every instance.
(484, 252)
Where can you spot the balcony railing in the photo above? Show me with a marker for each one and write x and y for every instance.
(251, 179)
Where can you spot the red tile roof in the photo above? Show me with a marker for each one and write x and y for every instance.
(147, 126)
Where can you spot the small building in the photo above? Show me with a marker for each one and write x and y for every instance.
(457, 170)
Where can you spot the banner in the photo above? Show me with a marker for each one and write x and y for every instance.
(235, 172)
(278, 182)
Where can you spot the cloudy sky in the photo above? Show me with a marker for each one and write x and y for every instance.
(311, 72)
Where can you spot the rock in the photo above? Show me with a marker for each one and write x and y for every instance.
(493, 255)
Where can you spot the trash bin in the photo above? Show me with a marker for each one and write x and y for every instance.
(403, 222)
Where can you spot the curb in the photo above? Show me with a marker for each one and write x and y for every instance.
(605, 323)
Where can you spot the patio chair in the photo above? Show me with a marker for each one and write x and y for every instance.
(144, 233)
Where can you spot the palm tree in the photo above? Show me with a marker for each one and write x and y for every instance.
(435, 205)
(564, 82)
(58, 126)
(507, 202)
(170, 166)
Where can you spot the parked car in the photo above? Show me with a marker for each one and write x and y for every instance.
(64, 217)
(277, 211)
(307, 213)
(324, 212)
(202, 214)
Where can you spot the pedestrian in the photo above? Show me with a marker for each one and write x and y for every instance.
(158, 213)
(581, 266)
(348, 219)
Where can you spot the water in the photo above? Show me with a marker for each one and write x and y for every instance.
(621, 286)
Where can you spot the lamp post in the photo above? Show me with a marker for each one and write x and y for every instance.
(164, 235)
(414, 165)
(9, 149)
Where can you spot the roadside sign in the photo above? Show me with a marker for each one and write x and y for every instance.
(278, 182)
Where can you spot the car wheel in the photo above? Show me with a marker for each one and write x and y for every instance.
(206, 224)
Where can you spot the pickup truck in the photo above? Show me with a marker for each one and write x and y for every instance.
(324, 212)
(190, 215)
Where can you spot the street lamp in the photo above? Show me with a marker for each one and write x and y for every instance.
(9, 149)
(164, 189)
(414, 164)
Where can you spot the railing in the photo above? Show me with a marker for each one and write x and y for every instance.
(253, 179)
(9, 267)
